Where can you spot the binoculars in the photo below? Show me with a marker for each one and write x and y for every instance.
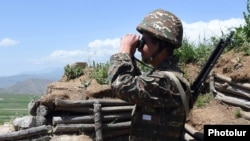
(140, 44)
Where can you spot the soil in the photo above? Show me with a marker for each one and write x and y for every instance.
(215, 112)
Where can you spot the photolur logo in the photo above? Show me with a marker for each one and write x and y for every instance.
(215, 132)
(232, 132)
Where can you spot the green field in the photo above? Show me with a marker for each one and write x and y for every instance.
(13, 106)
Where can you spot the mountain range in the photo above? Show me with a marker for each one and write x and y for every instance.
(35, 83)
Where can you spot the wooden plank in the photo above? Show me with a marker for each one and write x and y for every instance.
(120, 125)
(194, 133)
(234, 90)
(86, 103)
(117, 109)
(73, 128)
(90, 110)
(72, 119)
(76, 128)
(245, 115)
(229, 80)
(98, 122)
(233, 100)
(26, 133)
(117, 116)
(90, 118)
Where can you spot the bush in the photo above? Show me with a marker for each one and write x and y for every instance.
(100, 72)
(186, 53)
(203, 99)
(72, 72)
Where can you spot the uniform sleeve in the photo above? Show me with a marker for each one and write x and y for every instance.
(131, 86)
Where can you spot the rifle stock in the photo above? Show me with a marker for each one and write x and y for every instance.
(198, 84)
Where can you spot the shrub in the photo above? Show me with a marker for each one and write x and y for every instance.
(203, 100)
(72, 72)
(100, 72)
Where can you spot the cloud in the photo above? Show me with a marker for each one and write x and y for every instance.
(100, 50)
(8, 42)
(198, 31)
(105, 43)
(62, 57)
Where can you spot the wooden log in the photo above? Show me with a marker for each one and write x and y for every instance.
(98, 122)
(75, 103)
(76, 128)
(245, 115)
(211, 84)
(194, 133)
(229, 80)
(90, 110)
(42, 138)
(75, 109)
(73, 128)
(233, 90)
(188, 137)
(233, 100)
(26, 133)
(85, 103)
(117, 116)
(117, 109)
(72, 119)
(120, 125)
(90, 118)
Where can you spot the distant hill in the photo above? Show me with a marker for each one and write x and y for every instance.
(6, 81)
(28, 86)
(35, 83)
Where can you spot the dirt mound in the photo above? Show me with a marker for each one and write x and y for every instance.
(215, 112)
(234, 65)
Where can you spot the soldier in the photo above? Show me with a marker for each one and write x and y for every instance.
(161, 96)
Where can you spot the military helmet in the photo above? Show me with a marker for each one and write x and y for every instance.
(164, 25)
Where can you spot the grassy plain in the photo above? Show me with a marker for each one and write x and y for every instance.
(13, 106)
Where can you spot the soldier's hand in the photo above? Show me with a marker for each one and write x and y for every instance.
(128, 43)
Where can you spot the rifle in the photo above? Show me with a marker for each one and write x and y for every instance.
(198, 84)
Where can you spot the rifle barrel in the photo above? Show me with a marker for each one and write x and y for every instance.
(197, 85)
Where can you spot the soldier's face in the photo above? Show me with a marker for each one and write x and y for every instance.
(149, 47)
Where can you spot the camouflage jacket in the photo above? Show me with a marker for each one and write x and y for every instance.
(159, 112)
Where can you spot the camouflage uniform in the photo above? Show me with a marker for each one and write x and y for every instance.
(159, 114)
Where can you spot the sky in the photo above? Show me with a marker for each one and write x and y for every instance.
(42, 35)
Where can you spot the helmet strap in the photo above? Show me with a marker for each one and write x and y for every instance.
(151, 58)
